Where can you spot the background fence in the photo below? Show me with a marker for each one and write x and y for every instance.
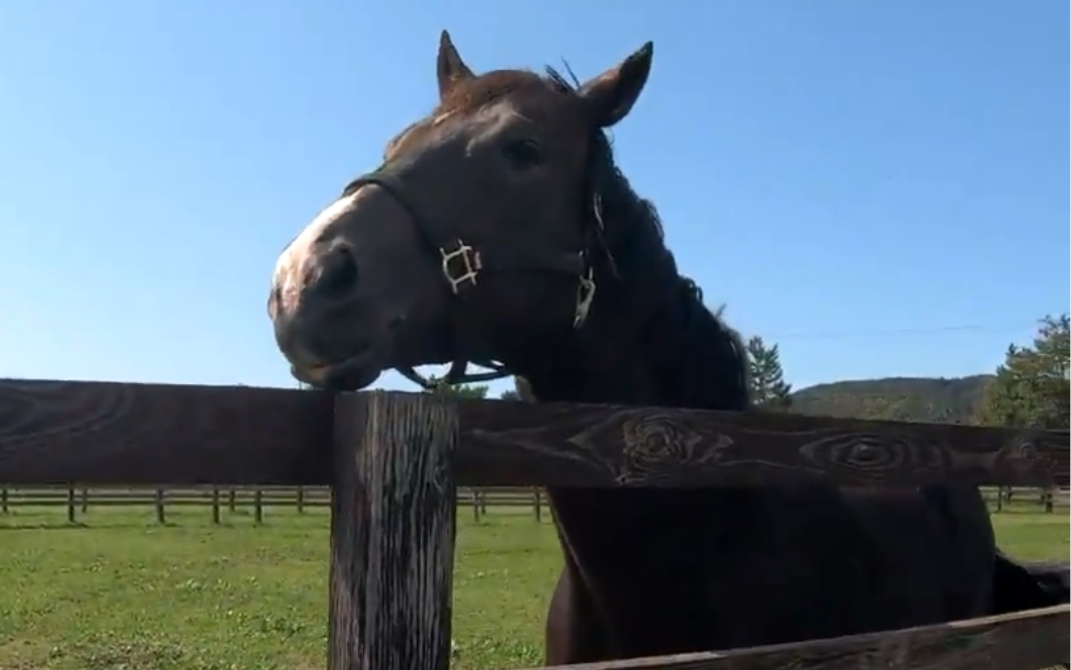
(80, 500)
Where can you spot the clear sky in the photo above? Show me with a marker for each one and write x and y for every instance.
(879, 187)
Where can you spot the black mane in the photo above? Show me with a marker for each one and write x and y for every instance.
(704, 362)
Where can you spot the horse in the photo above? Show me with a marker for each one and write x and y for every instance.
(499, 229)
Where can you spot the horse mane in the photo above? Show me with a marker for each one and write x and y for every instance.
(706, 363)
(469, 95)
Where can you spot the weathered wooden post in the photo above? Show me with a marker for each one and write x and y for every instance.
(393, 507)
(215, 505)
(160, 502)
(258, 506)
(70, 504)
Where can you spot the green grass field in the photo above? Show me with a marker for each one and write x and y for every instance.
(123, 593)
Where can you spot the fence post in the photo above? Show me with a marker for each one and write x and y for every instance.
(393, 508)
(215, 505)
(161, 513)
(258, 506)
(70, 504)
(537, 502)
(3, 500)
(301, 500)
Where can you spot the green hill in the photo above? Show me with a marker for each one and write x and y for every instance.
(896, 398)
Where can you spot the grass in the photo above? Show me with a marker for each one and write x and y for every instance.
(122, 593)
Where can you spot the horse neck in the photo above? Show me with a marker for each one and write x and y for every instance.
(680, 355)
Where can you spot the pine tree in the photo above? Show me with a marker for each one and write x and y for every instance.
(1031, 388)
(768, 387)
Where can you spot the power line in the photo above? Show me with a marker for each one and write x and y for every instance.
(915, 330)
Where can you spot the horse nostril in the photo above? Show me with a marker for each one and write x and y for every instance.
(338, 275)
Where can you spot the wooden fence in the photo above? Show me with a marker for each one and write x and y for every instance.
(1049, 498)
(394, 462)
(78, 499)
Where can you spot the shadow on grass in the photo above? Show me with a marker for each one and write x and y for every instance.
(44, 526)
(80, 525)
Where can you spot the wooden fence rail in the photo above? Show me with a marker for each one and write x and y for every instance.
(78, 500)
(394, 462)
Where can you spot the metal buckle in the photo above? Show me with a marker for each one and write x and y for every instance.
(471, 265)
(585, 294)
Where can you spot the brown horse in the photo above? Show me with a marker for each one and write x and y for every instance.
(499, 229)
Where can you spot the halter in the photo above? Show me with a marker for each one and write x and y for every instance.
(463, 264)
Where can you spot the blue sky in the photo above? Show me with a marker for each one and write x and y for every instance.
(881, 188)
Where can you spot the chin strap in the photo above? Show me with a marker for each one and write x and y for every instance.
(458, 374)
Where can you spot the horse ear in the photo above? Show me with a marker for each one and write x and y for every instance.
(449, 67)
(611, 95)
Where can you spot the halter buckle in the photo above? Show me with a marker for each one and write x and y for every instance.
(470, 265)
(585, 295)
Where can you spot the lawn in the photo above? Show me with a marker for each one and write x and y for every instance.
(123, 593)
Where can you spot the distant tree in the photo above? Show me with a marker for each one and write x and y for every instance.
(471, 391)
(1031, 388)
(768, 387)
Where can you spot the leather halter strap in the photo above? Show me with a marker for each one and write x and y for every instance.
(462, 264)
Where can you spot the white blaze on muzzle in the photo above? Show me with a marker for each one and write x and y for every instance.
(288, 276)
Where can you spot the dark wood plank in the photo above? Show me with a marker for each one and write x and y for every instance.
(557, 444)
(1020, 641)
(53, 432)
(111, 433)
(392, 532)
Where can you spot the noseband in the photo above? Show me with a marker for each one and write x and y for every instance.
(462, 264)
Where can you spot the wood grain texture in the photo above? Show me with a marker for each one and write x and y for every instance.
(53, 432)
(392, 532)
(110, 433)
(558, 444)
(1020, 641)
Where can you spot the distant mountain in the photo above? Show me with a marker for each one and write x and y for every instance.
(896, 398)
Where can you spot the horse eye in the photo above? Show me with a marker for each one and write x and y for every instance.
(523, 153)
